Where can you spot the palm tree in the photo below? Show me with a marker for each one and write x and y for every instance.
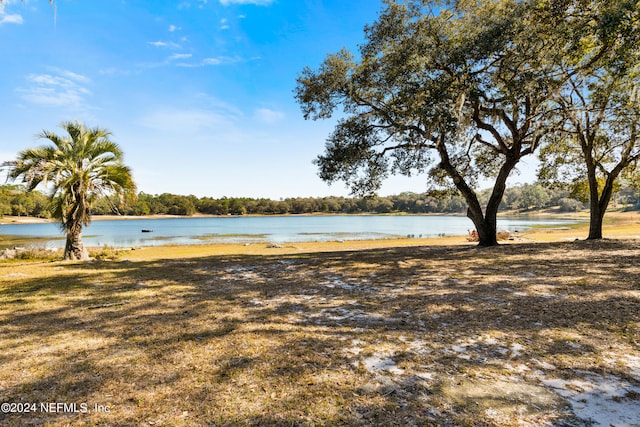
(77, 168)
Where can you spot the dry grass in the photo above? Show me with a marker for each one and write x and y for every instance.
(427, 335)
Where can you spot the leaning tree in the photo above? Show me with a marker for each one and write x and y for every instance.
(76, 169)
(458, 89)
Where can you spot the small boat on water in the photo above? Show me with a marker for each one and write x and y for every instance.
(146, 230)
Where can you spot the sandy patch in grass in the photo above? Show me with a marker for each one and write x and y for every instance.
(605, 400)
(522, 334)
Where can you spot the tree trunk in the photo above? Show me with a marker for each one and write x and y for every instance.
(485, 223)
(596, 217)
(486, 231)
(485, 228)
(74, 248)
(598, 207)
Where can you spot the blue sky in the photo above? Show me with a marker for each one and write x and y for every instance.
(198, 93)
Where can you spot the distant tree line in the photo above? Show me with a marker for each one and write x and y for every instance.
(14, 200)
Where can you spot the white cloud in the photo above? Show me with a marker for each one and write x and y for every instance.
(170, 45)
(187, 60)
(182, 120)
(212, 121)
(224, 25)
(72, 76)
(176, 56)
(11, 19)
(256, 2)
(173, 28)
(212, 61)
(187, 4)
(267, 116)
(219, 60)
(217, 104)
(62, 88)
(113, 71)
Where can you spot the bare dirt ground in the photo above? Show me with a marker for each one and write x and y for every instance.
(522, 334)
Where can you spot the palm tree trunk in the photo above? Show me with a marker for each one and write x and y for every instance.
(74, 248)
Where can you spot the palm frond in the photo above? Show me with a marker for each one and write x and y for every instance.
(77, 166)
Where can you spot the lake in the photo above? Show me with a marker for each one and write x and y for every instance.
(276, 229)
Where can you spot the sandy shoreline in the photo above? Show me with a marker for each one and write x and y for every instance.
(620, 231)
(618, 225)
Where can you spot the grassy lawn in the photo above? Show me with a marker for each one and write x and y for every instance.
(522, 334)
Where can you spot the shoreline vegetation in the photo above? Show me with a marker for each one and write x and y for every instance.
(520, 198)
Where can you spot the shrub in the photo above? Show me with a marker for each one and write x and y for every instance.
(41, 254)
(105, 253)
(503, 235)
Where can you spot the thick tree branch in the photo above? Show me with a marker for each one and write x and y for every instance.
(489, 128)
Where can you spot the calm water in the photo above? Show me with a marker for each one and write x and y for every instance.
(277, 229)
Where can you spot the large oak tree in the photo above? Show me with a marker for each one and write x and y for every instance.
(458, 89)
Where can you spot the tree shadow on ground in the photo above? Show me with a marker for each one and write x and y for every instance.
(380, 337)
